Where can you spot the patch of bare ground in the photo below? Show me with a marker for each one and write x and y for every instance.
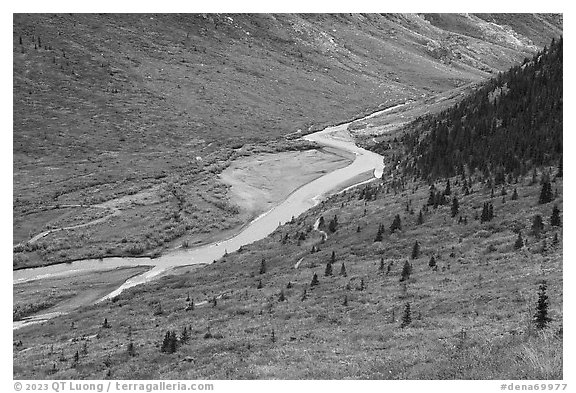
(259, 182)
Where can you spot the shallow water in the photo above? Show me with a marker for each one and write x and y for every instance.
(297, 203)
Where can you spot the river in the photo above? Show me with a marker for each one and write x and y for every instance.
(297, 203)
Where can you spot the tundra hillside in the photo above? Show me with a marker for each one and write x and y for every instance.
(420, 275)
(123, 122)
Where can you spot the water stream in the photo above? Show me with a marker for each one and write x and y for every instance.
(297, 203)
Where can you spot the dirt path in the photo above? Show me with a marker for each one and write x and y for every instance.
(34, 239)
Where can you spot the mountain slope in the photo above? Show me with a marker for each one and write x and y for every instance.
(508, 126)
(142, 111)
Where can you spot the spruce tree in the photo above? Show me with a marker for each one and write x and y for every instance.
(546, 192)
(447, 190)
(328, 270)
(396, 224)
(541, 318)
(455, 206)
(333, 257)
(345, 303)
(379, 234)
(166, 342)
(519, 241)
(555, 218)
(406, 317)
(343, 270)
(431, 197)
(333, 224)
(432, 262)
(314, 280)
(130, 349)
(537, 225)
(406, 271)
(515, 194)
(173, 342)
(415, 250)
(263, 266)
(184, 336)
(381, 267)
(420, 219)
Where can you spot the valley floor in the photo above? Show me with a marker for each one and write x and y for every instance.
(470, 317)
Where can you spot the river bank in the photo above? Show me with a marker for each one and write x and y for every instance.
(366, 164)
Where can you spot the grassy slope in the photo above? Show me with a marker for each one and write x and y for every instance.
(108, 105)
(470, 317)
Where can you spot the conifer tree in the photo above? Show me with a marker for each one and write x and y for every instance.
(555, 218)
(184, 336)
(130, 349)
(173, 342)
(304, 295)
(343, 272)
(345, 303)
(396, 224)
(432, 262)
(333, 257)
(328, 270)
(263, 266)
(546, 192)
(333, 224)
(447, 190)
(541, 318)
(166, 342)
(406, 317)
(560, 172)
(379, 234)
(455, 206)
(519, 241)
(431, 197)
(420, 219)
(381, 267)
(515, 194)
(537, 225)
(406, 271)
(415, 250)
(281, 297)
(314, 280)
